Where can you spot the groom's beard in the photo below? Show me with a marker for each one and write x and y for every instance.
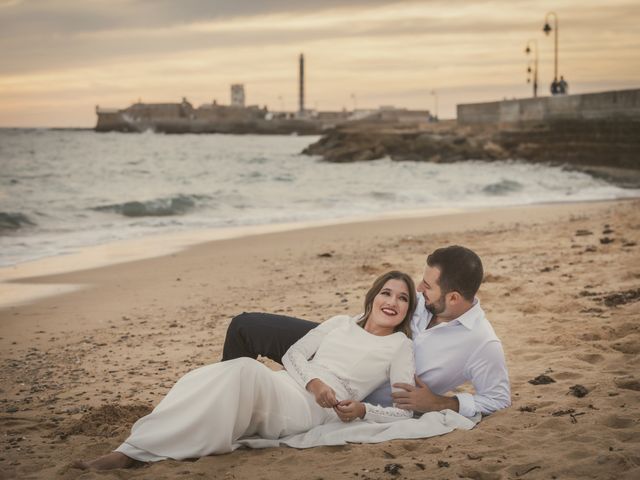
(436, 308)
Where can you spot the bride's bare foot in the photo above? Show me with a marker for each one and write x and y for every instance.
(106, 462)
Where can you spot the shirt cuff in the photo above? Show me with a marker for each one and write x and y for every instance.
(367, 411)
(467, 404)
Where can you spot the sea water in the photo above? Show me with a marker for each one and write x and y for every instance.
(61, 190)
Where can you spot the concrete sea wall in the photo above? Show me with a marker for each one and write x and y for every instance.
(614, 105)
(117, 122)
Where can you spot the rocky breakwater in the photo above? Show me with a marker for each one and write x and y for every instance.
(444, 142)
(604, 148)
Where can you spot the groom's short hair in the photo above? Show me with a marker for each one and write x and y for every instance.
(460, 270)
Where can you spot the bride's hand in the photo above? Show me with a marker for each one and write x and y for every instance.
(348, 410)
(325, 396)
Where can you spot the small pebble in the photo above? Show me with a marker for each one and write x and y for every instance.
(542, 380)
(578, 390)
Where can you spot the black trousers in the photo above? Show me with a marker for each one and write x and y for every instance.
(266, 334)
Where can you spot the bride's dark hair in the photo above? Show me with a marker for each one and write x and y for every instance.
(405, 325)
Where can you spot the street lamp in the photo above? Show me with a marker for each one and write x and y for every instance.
(547, 29)
(535, 65)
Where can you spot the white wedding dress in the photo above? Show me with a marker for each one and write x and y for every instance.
(212, 409)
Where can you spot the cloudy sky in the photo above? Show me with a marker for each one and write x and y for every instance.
(61, 58)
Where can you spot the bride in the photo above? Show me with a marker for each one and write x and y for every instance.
(327, 374)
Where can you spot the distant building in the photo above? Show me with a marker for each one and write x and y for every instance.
(237, 95)
(145, 112)
(389, 113)
(225, 113)
(177, 117)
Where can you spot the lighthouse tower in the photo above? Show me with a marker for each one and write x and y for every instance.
(301, 87)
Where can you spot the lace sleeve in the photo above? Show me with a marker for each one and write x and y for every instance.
(296, 359)
(402, 370)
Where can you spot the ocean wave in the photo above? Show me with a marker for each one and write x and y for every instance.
(287, 177)
(13, 221)
(383, 195)
(502, 187)
(160, 207)
(256, 160)
(252, 177)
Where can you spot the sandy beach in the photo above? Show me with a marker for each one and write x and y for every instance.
(561, 290)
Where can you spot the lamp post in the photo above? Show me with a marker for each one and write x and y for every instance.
(535, 65)
(547, 29)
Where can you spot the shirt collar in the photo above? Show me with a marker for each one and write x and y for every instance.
(468, 319)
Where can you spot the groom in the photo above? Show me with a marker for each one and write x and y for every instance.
(453, 341)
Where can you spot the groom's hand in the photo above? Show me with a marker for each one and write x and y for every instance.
(421, 399)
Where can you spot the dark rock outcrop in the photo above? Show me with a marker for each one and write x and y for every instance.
(352, 144)
(608, 144)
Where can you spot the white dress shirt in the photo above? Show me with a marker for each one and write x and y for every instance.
(452, 353)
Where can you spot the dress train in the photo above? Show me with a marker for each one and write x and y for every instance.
(210, 408)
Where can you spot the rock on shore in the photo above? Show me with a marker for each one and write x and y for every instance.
(444, 142)
(593, 145)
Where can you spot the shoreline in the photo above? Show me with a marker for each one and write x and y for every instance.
(21, 284)
(79, 368)
(14, 278)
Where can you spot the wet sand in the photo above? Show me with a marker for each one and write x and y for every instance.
(561, 290)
